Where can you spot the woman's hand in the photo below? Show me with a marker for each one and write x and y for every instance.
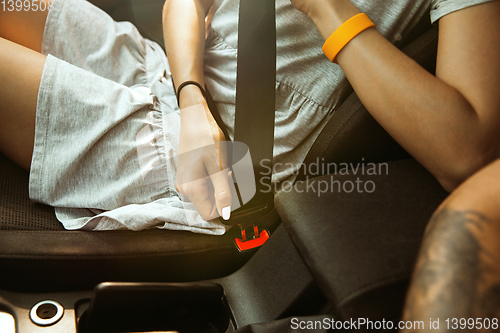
(202, 173)
(327, 15)
(302, 5)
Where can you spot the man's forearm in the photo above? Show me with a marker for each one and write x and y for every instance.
(458, 269)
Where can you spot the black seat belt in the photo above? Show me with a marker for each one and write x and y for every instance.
(255, 88)
(255, 103)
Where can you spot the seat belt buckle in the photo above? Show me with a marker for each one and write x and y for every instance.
(251, 238)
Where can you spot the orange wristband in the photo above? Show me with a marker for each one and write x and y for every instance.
(344, 34)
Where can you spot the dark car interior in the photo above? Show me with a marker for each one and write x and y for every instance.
(333, 256)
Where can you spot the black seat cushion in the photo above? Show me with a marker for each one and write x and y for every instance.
(17, 212)
(360, 246)
(39, 261)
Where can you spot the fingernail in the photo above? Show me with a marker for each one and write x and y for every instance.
(226, 212)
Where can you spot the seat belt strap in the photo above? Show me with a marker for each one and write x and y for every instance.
(255, 92)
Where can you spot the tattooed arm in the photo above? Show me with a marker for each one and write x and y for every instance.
(458, 269)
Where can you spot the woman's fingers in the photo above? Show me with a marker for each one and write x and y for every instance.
(201, 195)
(211, 195)
(222, 193)
(200, 178)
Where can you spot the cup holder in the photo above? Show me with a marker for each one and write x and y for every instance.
(152, 307)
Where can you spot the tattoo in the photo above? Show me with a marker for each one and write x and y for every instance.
(455, 276)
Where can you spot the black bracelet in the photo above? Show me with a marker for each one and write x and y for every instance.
(188, 83)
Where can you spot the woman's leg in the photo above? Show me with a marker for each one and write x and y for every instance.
(21, 67)
(20, 74)
(24, 27)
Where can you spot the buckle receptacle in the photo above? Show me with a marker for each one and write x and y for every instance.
(251, 237)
